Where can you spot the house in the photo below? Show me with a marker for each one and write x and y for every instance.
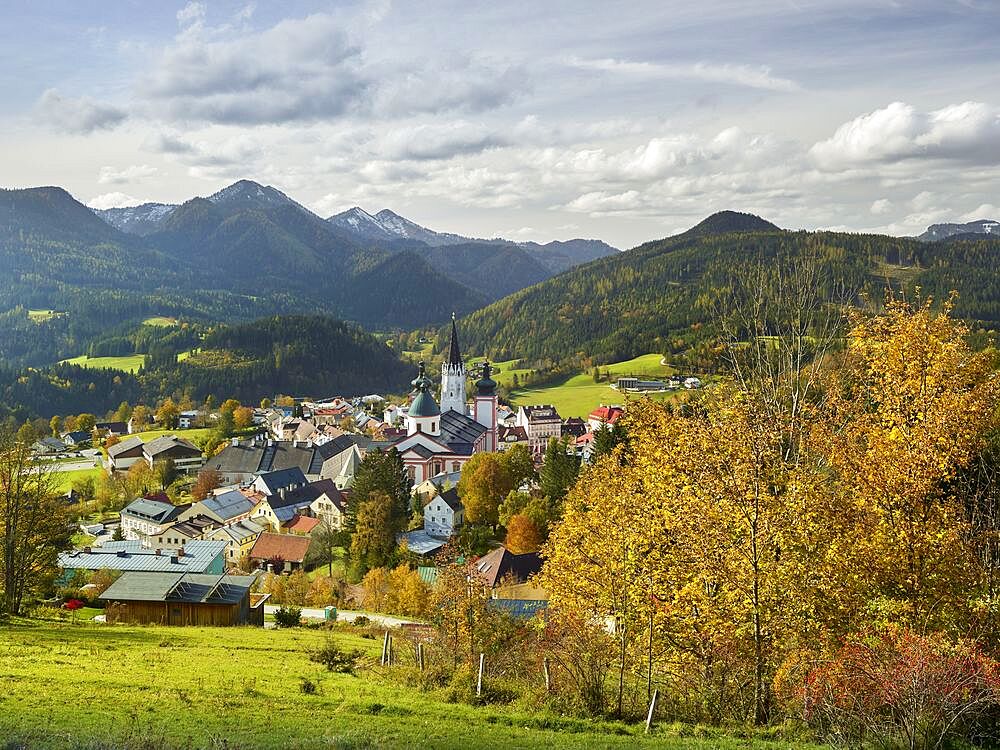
(226, 507)
(322, 500)
(573, 427)
(121, 456)
(239, 538)
(501, 566)
(76, 438)
(187, 419)
(274, 482)
(183, 531)
(145, 517)
(431, 487)
(302, 525)
(604, 415)
(199, 556)
(506, 417)
(419, 542)
(187, 456)
(634, 384)
(48, 446)
(444, 514)
(692, 383)
(112, 429)
(541, 423)
(508, 436)
(279, 553)
(242, 461)
(184, 599)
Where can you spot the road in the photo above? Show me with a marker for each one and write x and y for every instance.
(347, 615)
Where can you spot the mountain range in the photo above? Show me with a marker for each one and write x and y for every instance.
(972, 228)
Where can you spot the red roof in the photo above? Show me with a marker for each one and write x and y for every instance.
(303, 524)
(585, 438)
(287, 547)
(607, 414)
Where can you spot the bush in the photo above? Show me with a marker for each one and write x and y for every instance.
(290, 617)
(335, 659)
(307, 686)
(361, 621)
(899, 687)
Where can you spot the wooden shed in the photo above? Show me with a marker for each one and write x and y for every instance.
(186, 599)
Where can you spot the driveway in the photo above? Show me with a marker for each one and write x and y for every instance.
(347, 615)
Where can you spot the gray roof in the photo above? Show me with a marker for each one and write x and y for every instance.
(242, 530)
(186, 587)
(153, 510)
(132, 556)
(451, 498)
(237, 459)
(124, 446)
(283, 478)
(460, 432)
(227, 505)
(420, 542)
(166, 442)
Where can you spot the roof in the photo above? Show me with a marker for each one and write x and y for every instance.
(282, 479)
(541, 413)
(420, 542)
(608, 414)
(428, 574)
(243, 458)
(153, 510)
(303, 524)
(241, 530)
(193, 527)
(493, 567)
(451, 498)
(511, 434)
(124, 446)
(133, 556)
(168, 442)
(423, 405)
(119, 427)
(454, 355)
(186, 587)
(460, 432)
(287, 547)
(308, 494)
(227, 505)
(77, 436)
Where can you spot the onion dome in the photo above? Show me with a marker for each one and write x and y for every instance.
(423, 404)
(486, 386)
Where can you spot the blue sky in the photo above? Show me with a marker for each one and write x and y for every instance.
(625, 122)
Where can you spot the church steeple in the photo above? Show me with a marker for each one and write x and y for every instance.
(454, 355)
(453, 376)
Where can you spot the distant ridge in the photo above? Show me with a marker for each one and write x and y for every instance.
(937, 232)
(727, 222)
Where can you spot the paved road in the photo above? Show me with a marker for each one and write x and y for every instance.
(83, 463)
(346, 615)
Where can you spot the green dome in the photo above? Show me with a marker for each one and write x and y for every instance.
(424, 405)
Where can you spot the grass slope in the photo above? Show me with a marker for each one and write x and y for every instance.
(78, 685)
(130, 363)
(579, 395)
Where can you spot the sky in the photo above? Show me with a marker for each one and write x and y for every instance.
(625, 122)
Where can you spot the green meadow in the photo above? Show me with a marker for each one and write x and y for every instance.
(129, 363)
(76, 685)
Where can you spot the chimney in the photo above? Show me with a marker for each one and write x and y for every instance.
(159, 552)
(282, 492)
(180, 552)
(87, 550)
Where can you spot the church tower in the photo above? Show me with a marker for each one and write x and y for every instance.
(486, 407)
(453, 376)
(423, 414)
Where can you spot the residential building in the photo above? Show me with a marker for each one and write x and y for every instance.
(181, 532)
(541, 423)
(279, 553)
(187, 419)
(224, 508)
(320, 500)
(444, 514)
(503, 567)
(145, 517)
(198, 556)
(431, 487)
(111, 429)
(184, 599)
(121, 456)
(243, 461)
(604, 415)
(187, 456)
(239, 538)
(509, 436)
(76, 438)
(48, 446)
(573, 427)
(274, 482)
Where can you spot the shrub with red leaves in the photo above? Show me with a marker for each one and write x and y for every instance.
(897, 687)
(73, 604)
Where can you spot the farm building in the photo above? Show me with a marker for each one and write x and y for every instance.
(185, 599)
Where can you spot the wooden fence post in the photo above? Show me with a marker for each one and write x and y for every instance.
(420, 655)
(385, 649)
(652, 708)
(479, 682)
(391, 644)
(548, 675)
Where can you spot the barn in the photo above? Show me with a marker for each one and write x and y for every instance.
(184, 599)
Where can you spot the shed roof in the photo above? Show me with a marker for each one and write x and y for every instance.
(187, 587)
(198, 555)
(287, 547)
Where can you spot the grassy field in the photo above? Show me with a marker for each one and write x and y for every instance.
(40, 316)
(161, 321)
(195, 434)
(64, 479)
(131, 363)
(579, 395)
(79, 685)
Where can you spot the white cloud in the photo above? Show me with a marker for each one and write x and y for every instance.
(114, 200)
(967, 132)
(985, 211)
(736, 75)
(881, 206)
(133, 173)
(79, 115)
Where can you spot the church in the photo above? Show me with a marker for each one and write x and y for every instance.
(443, 438)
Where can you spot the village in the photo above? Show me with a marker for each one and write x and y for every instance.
(278, 501)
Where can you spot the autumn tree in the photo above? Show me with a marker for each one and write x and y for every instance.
(54, 424)
(522, 535)
(208, 480)
(167, 414)
(373, 542)
(33, 525)
(243, 417)
(484, 484)
(140, 417)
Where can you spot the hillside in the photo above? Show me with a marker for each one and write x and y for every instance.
(664, 296)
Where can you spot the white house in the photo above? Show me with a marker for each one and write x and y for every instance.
(145, 517)
(444, 514)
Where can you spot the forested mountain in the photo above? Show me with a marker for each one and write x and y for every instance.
(300, 355)
(665, 296)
